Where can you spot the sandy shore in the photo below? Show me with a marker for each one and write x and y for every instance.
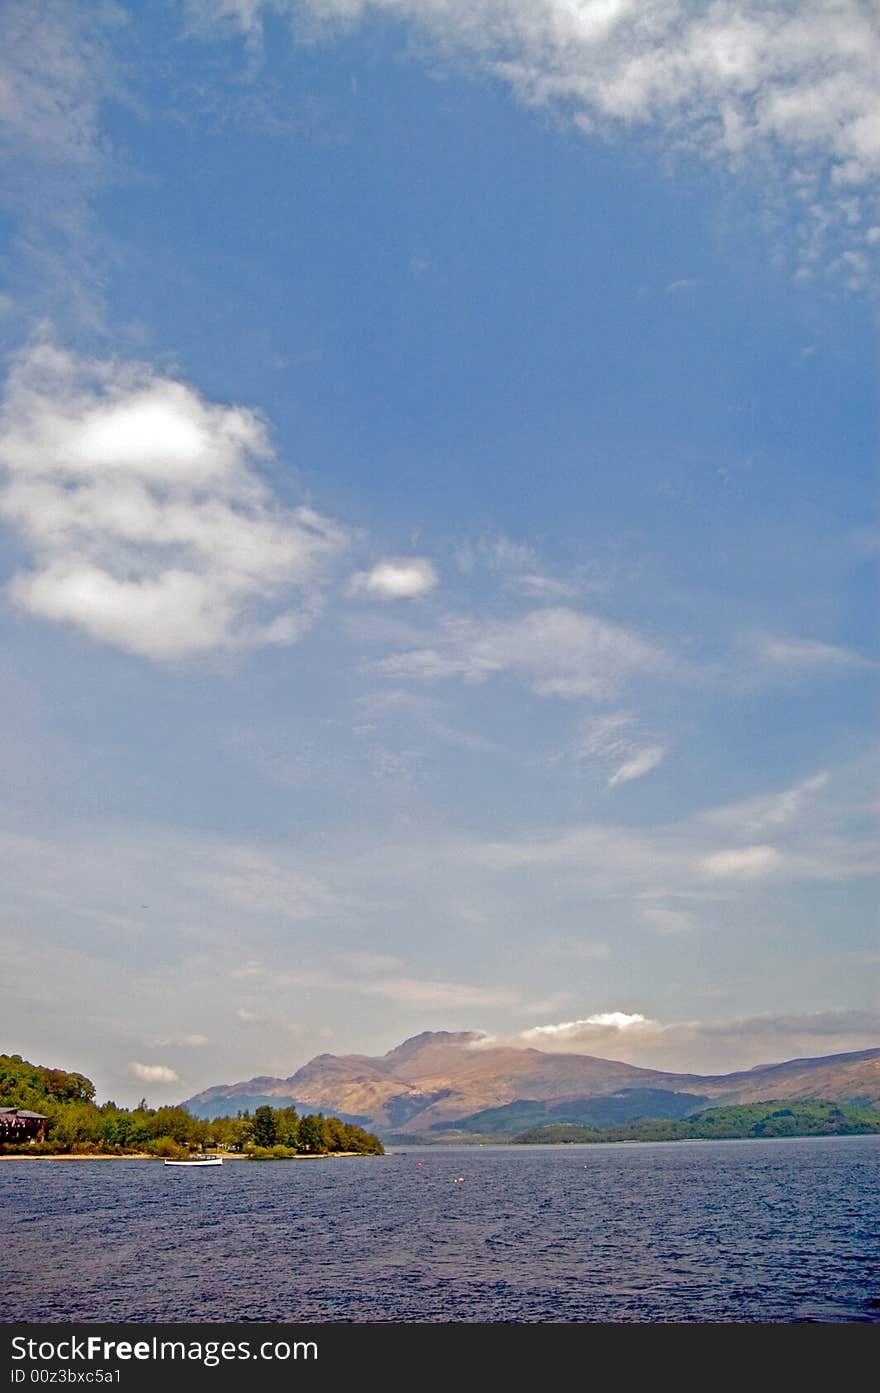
(145, 1156)
(78, 1156)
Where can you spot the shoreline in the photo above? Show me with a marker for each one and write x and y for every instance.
(147, 1156)
(80, 1156)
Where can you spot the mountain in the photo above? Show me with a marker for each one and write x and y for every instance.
(603, 1111)
(439, 1082)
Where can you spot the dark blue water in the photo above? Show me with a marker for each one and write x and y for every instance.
(706, 1231)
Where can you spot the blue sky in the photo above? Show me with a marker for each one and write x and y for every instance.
(438, 482)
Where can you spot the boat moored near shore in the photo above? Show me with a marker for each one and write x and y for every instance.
(198, 1161)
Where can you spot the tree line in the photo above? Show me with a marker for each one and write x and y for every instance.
(806, 1117)
(79, 1125)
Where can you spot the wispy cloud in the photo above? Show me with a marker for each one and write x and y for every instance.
(56, 70)
(416, 992)
(259, 880)
(51, 82)
(187, 1042)
(248, 1017)
(818, 833)
(397, 706)
(148, 523)
(794, 89)
(802, 654)
(667, 920)
(252, 968)
(741, 863)
(497, 553)
(540, 587)
(614, 743)
(521, 570)
(558, 652)
(641, 763)
(381, 975)
(707, 1046)
(752, 816)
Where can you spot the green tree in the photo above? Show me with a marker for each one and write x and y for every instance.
(178, 1124)
(265, 1129)
(242, 1130)
(287, 1126)
(336, 1134)
(312, 1135)
(365, 1143)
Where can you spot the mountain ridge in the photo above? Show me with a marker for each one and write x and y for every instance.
(437, 1079)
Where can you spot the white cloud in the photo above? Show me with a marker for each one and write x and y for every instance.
(558, 651)
(582, 1032)
(788, 88)
(621, 1020)
(396, 578)
(741, 863)
(707, 1046)
(148, 524)
(153, 1073)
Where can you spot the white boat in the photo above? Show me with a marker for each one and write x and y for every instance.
(198, 1161)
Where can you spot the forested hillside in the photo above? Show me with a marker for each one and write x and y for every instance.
(808, 1118)
(79, 1125)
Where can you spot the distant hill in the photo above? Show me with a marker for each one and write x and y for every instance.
(778, 1118)
(605, 1111)
(229, 1105)
(446, 1084)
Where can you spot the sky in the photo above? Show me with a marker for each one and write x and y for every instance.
(438, 531)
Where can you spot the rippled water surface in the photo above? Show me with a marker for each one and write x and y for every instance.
(707, 1231)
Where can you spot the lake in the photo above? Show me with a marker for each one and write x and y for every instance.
(685, 1231)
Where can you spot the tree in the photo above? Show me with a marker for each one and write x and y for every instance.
(312, 1136)
(265, 1129)
(242, 1131)
(287, 1126)
(76, 1123)
(336, 1134)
